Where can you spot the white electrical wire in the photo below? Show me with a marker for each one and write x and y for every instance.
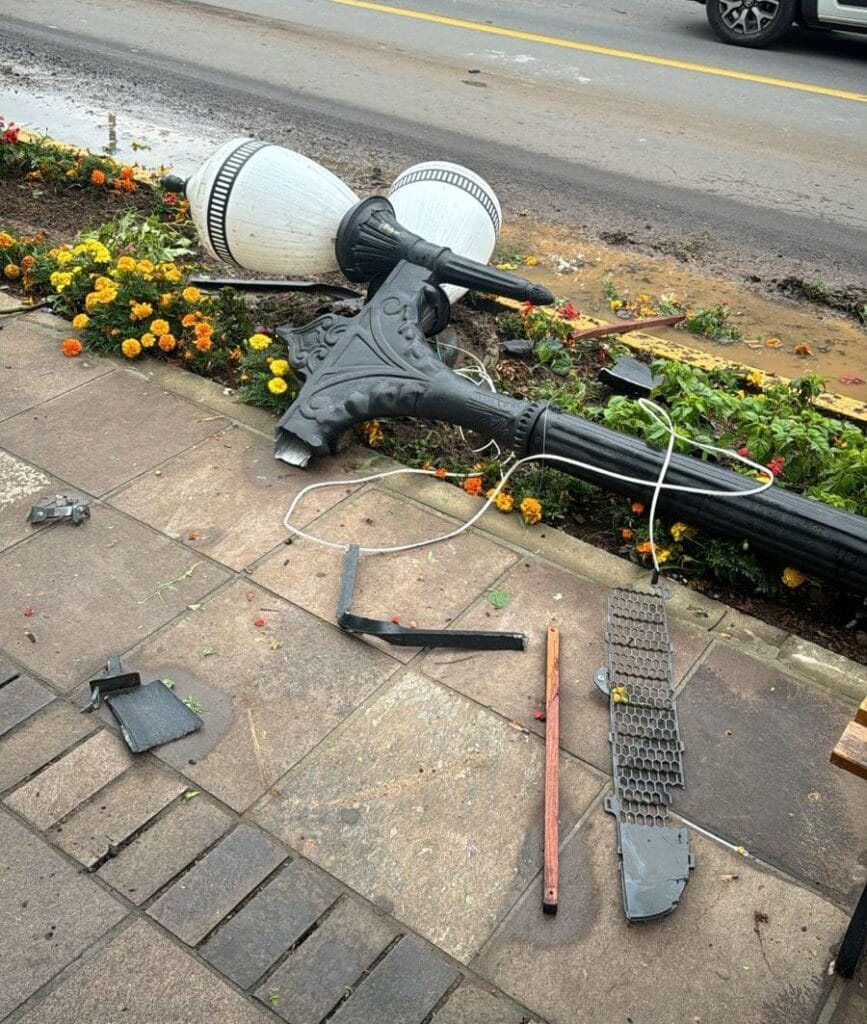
(656, 413)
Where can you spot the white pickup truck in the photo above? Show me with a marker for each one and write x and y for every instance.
(762, 22)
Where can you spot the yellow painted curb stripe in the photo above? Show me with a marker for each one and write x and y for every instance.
(605, 51)
(840, 406)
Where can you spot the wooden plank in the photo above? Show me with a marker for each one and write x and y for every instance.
(551, 880)
(861, 713)
(851, 750)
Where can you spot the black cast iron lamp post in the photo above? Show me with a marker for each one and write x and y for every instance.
(271, 210)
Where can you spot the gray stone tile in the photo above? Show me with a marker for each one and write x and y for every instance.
(471, 1004)
(263, 929)
(757, 771)
(429, 806)
(92, 437)
(403, 988)
(270, 693)
(34, 368)
(162, 851)
(852, 1008)
(514, 684)
(19, 699)
(429, 586)
(42, 899)
(118, 811)
(95, 590)
(142, 977)
(317, 974)
(40, 740)
(201, 898)
(704, 962)
(21, 486)
(62, 786)
(227, 496)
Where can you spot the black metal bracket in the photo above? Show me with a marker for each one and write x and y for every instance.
(404, 636)
(114, 680)
(61, 506)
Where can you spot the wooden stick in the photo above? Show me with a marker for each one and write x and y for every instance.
(551, 879)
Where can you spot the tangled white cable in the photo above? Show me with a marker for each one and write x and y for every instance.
(653, 410)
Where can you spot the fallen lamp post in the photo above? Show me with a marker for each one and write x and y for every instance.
(271, 210)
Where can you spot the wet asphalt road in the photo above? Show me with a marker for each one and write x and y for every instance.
(739, 175)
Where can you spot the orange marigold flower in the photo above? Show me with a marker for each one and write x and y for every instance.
(27, 262)
(188, 357)
(97, 177)
(204, 330)
(148, 340)
(190, 319)
(70, 347)
(793, 578)
(637, 507)
(235, 355)
(204, 344)
(626, 533)
(440, 474)
(473, 485)
(167, 342)
(6, 240)
(12, 271)
(531, 510)
(140, 310)
(159, 327)
(126, 173)
(644, 548)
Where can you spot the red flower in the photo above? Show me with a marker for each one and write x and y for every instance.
(259, 622)
(170, 199)
(776, 464)
(568, 311)
(527, 308)
(744, 452)
(11, 134)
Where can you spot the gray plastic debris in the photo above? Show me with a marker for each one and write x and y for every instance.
(151, 715)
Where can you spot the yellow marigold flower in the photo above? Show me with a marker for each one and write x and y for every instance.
(140, 310)
(12, 271)
(530, 261)
(531, 510)
(663, 555)
(681, 530)
(371, 429)
(6, 240)
(91, 301)
(616, 304)
(259, 341)
(277, 386)
(130, 348)
(107, 296)
(126, 264)
(756, 378)
(145, 267)
(148, 341)
(191, 294)
(504, 502)
(280, 367)
(793, 578)
(166, 299)
(159, 327)
(167, 342)
(102, 283)
(64, 257)
(190, 319)
(81, 321)
(172, 274)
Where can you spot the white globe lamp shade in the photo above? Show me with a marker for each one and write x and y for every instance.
(268, 209)
(448, 205)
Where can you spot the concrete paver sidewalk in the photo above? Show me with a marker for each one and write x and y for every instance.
(355, 834)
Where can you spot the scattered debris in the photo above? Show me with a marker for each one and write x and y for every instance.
(61, 506)
(28, 611)
(259, 622)
(402, 636)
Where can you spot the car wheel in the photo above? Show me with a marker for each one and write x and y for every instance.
(751, 22)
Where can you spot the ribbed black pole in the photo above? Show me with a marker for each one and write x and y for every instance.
(808, 535)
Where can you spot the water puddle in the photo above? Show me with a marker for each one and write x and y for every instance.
(34, 103)
(838, 344)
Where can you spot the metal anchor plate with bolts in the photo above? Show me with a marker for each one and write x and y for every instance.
(61, 506)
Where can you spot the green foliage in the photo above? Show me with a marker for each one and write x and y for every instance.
(145, 236)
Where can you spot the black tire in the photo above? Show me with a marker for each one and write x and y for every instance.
(751, 22)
